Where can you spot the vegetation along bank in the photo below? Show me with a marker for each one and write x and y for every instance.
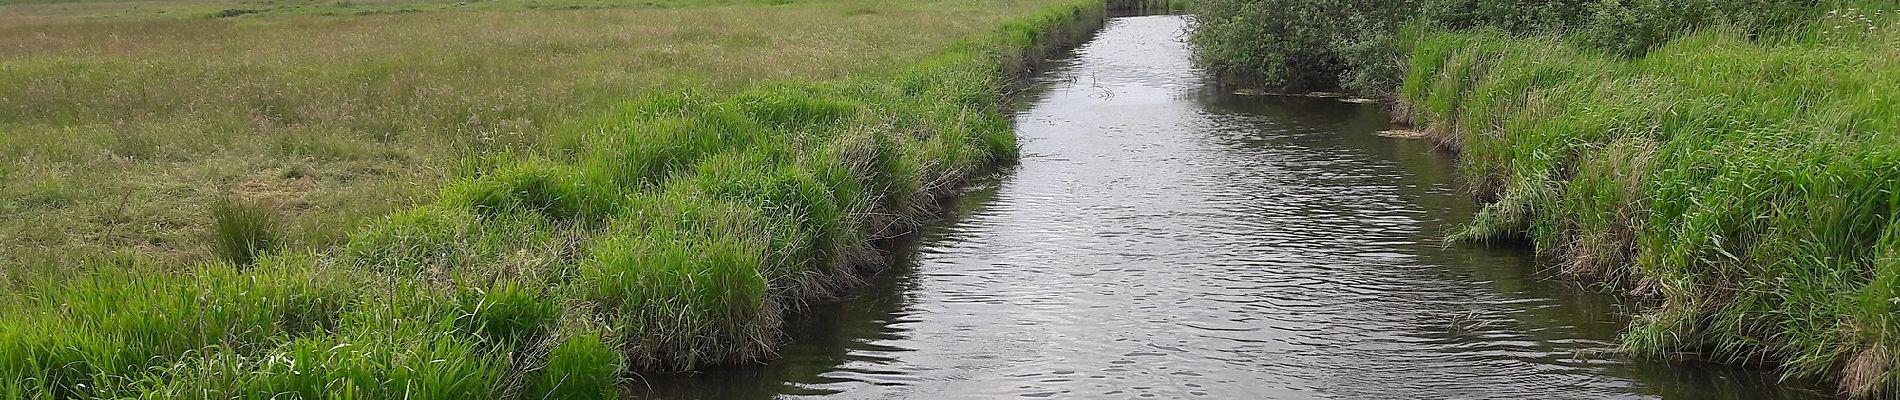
(1729, 163)
(665, 233)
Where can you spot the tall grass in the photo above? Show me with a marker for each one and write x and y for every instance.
(670, 233)
(1148, 5)
(1745, 185)
(243, 230)
(96, 333)
(1299, 45)
(1728, 161)
(120, 124)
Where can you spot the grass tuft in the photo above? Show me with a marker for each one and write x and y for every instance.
(585, 363)
(554, 191)
(242, 231)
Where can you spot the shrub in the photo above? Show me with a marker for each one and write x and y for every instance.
(1298, 45)
(1633, 27)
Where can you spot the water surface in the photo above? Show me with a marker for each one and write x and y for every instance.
(1165, 239)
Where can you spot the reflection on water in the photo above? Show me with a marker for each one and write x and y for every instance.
(1164, 239)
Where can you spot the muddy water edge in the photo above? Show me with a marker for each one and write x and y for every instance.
(1164, 238)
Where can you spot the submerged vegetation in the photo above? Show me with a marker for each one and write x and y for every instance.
(1731, 163)
(666, 232)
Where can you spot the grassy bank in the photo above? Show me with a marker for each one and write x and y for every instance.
(1748, 189)
(1354, 45)
(1734, 170)
(665, 233)
(121, 128)
(1147, 5)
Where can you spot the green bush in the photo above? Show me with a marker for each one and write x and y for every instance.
(1633, 27)
(1300, 45)
(1287, 44)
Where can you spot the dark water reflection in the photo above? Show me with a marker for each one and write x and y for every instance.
(1162, 239)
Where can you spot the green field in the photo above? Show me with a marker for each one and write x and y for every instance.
(119, 132)
(1731, 165)
(467, 200)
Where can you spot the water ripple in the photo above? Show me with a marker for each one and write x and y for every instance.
(1161, 239)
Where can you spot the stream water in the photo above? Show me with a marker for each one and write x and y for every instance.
(1162, 238)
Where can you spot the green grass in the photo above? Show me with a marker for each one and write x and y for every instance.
(1353, 45)
(668, 232)
(215, 9)
(1746, 187)
(243, 231)
(339, 120)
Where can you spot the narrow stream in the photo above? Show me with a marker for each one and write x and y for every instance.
(1164, 239)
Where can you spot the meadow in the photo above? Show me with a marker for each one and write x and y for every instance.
(119, 131)
(1729, 165)
(509, 203)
